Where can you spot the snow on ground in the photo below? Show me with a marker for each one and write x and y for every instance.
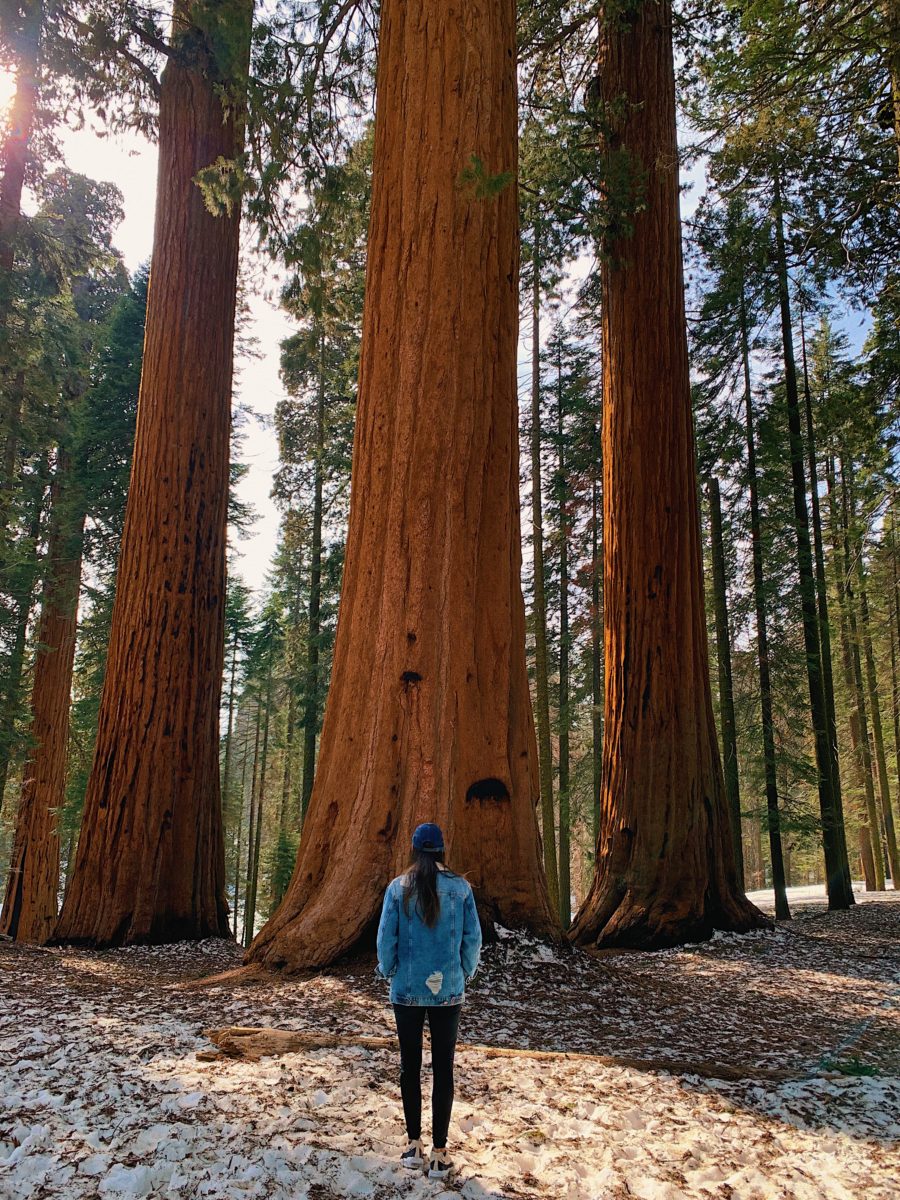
(102, 1095)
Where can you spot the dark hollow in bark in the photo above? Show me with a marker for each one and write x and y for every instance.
(433, 543)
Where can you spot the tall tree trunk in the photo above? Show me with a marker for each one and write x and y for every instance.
(881, 761)
(30, 905)
(226, 767)
(429, 715)
(23, 599)
(822, 605)
(884, 787)
(150, 865)
(837, 868)
(260, 801)
(12, 181)
(773, 815)
(894, 627)
(541, 668)
(665, 863)
(565, 874)
(285, 807)
(250, 884)
(858, 686)
(311, 698)
(726, 690)
(596, 643)
(237, 853)
(859, 741)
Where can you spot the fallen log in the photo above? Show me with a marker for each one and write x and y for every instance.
(255, 1043)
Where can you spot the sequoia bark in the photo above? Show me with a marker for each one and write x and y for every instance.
(150, 865)
(665, 862)
(429, 715)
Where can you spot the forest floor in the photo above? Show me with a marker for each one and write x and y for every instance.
(102, 1094)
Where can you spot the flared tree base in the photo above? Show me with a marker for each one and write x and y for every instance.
(611, 919)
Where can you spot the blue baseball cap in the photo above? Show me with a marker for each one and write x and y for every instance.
(428, 837)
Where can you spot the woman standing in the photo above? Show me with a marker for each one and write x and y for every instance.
(429, 943)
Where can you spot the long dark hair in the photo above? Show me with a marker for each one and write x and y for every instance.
(421, 883)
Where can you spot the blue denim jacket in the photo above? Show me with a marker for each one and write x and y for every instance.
(429, 966)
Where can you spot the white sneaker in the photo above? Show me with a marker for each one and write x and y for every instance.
(413, 1157)
(439, 1165)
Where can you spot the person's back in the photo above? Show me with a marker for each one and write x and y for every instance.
(437, 959)
(429, 943)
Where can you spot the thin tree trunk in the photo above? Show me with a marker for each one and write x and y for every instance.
(150, 865)
(261, 792)
(24, 600)
(837, 869)
(428, 715)
(291, 715)
(261, 803)
(596, 644)
(565, 877)
(311, 698)
(858, 722)
(541, 669)
(726, 690)
(858, 685)
(226, 768)
(822, 603)
(773, 815)
(884, 787)
(30, 905)
(665, 861)
(894, 627)
(867, 859)
(237, 855)
(249, 887)
(871, 682)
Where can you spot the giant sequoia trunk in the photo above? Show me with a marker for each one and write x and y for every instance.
(30, 904)
(665, 863)
(150, 862)
(429, 716)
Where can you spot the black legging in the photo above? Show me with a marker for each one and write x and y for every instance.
(443, 1022)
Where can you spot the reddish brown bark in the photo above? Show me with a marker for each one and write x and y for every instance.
(150, 860)
(429, 715)
(665, 863)
(30, 903)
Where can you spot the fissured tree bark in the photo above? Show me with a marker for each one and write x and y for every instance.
(30, 904)
(665, 863)
(429, 716)
(150, 861)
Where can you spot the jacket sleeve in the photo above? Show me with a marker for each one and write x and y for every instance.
(388, 934)
(470, 951)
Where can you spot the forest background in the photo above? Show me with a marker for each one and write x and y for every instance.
(797, 181)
